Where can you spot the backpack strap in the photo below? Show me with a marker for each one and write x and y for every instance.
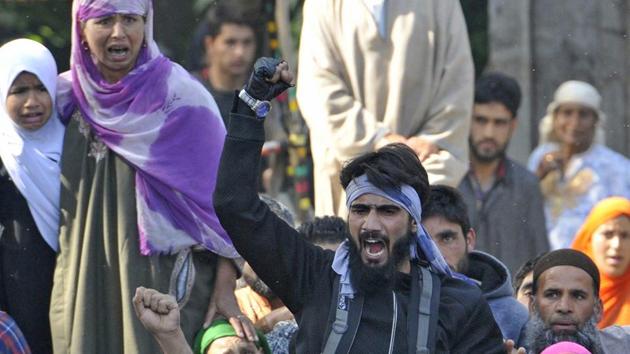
(347, 316)
(428, 311)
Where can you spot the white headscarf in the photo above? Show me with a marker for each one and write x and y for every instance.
(578, 92)
(32, 157)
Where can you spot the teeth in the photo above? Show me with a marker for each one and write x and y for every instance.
(118, 51)
(371, 241)
(375, 254)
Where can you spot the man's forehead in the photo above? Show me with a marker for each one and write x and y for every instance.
(528, 281)
(495, 110)
(374, 199)
(438, 223)
(565, 277)
(233, 29)
(573, 106)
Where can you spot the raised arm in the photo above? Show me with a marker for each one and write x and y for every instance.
(274, 250)
(159, 314)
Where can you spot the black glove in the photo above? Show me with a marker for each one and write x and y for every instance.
(258, 86)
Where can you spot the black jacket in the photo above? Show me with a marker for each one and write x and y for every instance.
(301, 274)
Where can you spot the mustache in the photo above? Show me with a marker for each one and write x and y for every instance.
(564, 320)
(372, 234)
(486, 140)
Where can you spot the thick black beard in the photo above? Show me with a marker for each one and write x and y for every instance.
(366, 279)
(539, 336)
(500, 154)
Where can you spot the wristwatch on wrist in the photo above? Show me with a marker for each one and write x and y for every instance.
(261, 108)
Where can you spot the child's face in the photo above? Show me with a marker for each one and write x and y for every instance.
(28, 102)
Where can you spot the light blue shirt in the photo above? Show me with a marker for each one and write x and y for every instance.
(591, 176)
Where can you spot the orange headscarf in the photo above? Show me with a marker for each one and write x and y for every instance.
(614, 291)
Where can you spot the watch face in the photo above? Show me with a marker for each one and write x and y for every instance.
(263, 108)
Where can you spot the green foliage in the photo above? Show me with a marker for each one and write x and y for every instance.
(45, 21)
(476, 14)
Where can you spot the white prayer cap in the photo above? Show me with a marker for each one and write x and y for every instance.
(578, 92)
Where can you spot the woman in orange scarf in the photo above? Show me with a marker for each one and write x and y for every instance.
(605, 237)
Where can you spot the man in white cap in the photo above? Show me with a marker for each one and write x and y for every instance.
(575, 170)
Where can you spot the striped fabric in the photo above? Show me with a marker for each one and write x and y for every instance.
(12, 340)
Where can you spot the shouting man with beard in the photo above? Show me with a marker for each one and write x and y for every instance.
(504, 201)
(566, 306)
(386, 289)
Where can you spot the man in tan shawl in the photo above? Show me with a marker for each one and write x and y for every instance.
(379, 71)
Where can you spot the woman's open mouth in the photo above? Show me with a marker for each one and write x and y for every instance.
(118, 52)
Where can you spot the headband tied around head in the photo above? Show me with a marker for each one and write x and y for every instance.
(407, 198)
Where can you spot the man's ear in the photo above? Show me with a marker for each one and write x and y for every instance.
(532, 304)
(599, 310)
(208, 42)
(513, 125)
(471, 239)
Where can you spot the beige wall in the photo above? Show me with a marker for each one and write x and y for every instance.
(546, 42)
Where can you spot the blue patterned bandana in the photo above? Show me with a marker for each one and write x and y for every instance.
(406, 198)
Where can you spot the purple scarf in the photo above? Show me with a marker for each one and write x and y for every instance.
(162, 122)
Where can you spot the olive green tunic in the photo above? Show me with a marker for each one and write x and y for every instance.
(99, 265)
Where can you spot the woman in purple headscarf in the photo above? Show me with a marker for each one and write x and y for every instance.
(141, 153)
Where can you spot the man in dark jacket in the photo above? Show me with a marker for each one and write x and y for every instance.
(504, 201)
(446, 219)
(374, 278)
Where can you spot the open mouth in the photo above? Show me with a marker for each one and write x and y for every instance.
(32, 117)
(374, 249)
(117, 51)
(614, 260)
(566, 327)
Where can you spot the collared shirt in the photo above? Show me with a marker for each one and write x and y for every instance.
(11, 338)
(509, 217)
(589, 177)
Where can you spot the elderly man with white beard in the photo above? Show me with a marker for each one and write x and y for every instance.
(566, 306)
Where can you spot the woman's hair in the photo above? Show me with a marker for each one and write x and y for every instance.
(388, 168)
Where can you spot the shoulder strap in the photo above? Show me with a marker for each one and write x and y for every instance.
(346, 322)
(429, 304)
(334, 337)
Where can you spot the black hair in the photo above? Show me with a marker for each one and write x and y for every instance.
(388, 168)
(526, 268)
(448, 203)
(498, 87)
(327, 229)
(239, 12)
